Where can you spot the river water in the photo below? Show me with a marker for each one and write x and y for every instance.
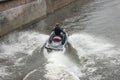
(93, 52)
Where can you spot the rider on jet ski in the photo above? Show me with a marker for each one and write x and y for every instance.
(58, 31)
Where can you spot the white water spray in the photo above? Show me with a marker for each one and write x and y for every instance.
(17, 47)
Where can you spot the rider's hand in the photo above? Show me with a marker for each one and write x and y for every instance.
(62, 43)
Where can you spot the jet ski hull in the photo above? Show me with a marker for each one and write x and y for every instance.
(56, 45)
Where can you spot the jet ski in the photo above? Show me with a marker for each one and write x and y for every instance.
(56, 43)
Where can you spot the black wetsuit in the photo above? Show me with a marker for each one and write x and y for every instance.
(58, 30)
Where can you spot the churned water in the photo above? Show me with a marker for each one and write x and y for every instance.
(93, 52)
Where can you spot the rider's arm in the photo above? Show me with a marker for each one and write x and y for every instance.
(63, 30)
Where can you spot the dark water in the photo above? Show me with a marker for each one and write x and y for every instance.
(93, 52)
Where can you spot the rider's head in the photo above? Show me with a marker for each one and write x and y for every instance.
(57, 24)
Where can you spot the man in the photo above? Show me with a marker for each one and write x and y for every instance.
(58, 29)
(57, 32)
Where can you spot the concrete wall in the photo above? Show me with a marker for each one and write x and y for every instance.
(16, 13)
(7, 4)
